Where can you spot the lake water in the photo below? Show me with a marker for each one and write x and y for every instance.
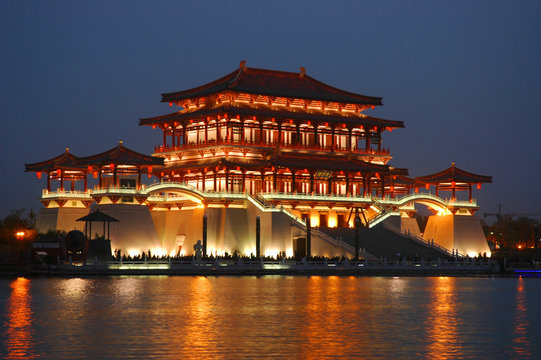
(270, 317)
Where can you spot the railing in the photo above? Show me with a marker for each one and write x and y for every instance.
(314, 196)
(117, 190)
(67, 194)
(267, 264)
(387, 200)
(201, 144)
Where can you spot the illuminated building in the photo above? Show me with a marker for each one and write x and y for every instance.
(276, 145)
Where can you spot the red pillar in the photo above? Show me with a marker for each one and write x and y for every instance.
(203, 180)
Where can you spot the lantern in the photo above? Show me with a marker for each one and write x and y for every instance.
(453, 184)
(38, 174)
(95, 174)
(89, 168)
(170, 104)
(373, 107)
(416, 189)
(150, 169)
(478, 186)
(428, 186)
(112, 166)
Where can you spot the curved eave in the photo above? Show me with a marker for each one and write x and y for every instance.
(65, 161)
(121, 155)
(273, 83)
(268, 113)
(455, 175)
(285, 162)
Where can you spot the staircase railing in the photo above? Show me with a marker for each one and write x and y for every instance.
(420, 240)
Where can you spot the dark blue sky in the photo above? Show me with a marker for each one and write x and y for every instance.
(464, 76)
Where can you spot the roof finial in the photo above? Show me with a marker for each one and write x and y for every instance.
(119, 142)
(243, 65)
(453, 164)
(67, 149)
(303, 72)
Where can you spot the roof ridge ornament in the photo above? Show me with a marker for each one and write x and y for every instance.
(67, 149)
(303, 72)
(243, 66)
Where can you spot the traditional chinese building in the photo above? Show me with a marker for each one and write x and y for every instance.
(281, 146)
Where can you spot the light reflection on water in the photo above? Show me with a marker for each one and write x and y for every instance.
(269, 317)
(521, 341)
(442, 322)
(18, 327)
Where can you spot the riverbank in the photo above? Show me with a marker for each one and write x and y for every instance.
(260, 268)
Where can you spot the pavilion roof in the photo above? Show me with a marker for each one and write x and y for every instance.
(120, 155)
(273, 83)
(64, 161)
(354, 118)
(98, 216)
(454, 174)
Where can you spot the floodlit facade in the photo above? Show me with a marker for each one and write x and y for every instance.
(277, 146)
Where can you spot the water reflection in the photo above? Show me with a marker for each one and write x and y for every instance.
(521, 343)
(199, 326)
(326, 327)
(19, 335)
(442, 320)
(268, 317)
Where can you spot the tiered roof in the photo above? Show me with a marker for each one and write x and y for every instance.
(273, 83)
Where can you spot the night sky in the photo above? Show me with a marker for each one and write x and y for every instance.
(464, 76)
